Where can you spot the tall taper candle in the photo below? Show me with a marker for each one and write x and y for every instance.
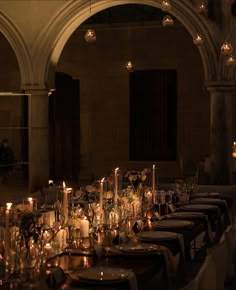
(65, 202)
(31, 205)
(116, 185)
(101, 199)
(153, 178)
(7, 237)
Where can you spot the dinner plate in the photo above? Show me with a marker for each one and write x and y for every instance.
(207, 199)
(101, 274)
(197, 207)
(139, 249)
(206, 194)
(172, 224)
(186, 214)
(156, 236)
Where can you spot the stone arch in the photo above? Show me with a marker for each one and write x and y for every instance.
(75, 13)
(13, 36)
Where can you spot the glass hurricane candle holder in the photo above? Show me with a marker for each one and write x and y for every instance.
(226, 48)
(167, 21)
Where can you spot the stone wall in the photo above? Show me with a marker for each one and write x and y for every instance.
(105, 92)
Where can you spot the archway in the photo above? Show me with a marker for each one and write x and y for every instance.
(75, 13)
(20, 49)
(125, 95)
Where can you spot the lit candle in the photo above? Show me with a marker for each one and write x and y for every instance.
(65, 201)
(84, 228)
(149, 198)
(198, 40)
(153, 178)
(101, 199)
(7, 238)
(116, 185)
(30, 199)
(48, 250)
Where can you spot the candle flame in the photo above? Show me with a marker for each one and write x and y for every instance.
(64, 184)
(102, 180)
(153, 166)
(9, 204)
(30, 199)
(116, 169)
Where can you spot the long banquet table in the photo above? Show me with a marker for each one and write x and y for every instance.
(162, 263)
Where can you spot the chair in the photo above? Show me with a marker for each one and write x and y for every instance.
(220, 257)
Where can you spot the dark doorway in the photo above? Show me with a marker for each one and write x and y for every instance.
(64, 128)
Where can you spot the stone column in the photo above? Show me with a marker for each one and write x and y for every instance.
(221, 110)
(38, 139)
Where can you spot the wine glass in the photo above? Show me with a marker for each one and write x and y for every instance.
(107, 242)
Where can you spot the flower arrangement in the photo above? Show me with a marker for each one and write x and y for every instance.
(138, 179)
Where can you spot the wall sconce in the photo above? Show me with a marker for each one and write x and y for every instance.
(167, 21)
(226, 48)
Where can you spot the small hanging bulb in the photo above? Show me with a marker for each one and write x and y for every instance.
(90, 36)
(226, 48)
(165, 6)
(198, 40)
(231, 61)
(167, 21)
(129, 66)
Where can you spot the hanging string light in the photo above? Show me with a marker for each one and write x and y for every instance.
(129, 64)
(90, 35)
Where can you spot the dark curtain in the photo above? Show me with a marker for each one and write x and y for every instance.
(153, 115)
